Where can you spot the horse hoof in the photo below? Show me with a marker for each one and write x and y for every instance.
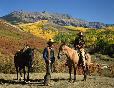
(20, 79)
(84, 80)
(46, 84)
(74, 81)
(70, 81)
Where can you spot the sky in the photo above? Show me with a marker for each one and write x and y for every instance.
(89, 10)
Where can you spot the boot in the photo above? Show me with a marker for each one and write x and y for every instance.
(47, 78)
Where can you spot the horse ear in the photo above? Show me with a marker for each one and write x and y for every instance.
(63, 43)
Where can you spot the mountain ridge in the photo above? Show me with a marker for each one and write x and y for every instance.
(56, 18)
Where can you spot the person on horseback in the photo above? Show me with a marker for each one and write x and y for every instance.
(49, 57)
(79, 44)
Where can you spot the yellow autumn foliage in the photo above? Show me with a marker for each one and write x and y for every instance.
(110, 28)
(100, 30)
(36, 29)
(76, 28)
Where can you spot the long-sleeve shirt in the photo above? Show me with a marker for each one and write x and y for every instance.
(45, 54)
(79, 42)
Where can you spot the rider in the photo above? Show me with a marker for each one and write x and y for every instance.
(48, 55)
(79, 44)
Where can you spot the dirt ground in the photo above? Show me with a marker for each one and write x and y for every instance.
(58, 80)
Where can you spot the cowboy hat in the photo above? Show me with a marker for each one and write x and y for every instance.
(80, 34)
(50, 42)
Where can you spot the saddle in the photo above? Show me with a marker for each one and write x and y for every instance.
(81, 62)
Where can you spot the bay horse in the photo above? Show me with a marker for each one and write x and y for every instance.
(73, 60)
(23, 59)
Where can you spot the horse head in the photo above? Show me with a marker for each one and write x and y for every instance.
(61, 50)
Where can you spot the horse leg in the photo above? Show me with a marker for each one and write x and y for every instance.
(70, 70)
(85, 72)
(20, 73)
(28, 73)
(17, 72)
(75, 67)
(24, 73)
(88, 71)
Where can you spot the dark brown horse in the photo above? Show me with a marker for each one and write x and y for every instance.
(73, 60)
(23, 59)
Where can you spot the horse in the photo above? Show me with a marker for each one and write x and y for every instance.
(73, 60)
(23, 59)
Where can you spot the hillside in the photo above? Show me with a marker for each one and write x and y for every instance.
(40, 29)
(12, 38)
(56, 18)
